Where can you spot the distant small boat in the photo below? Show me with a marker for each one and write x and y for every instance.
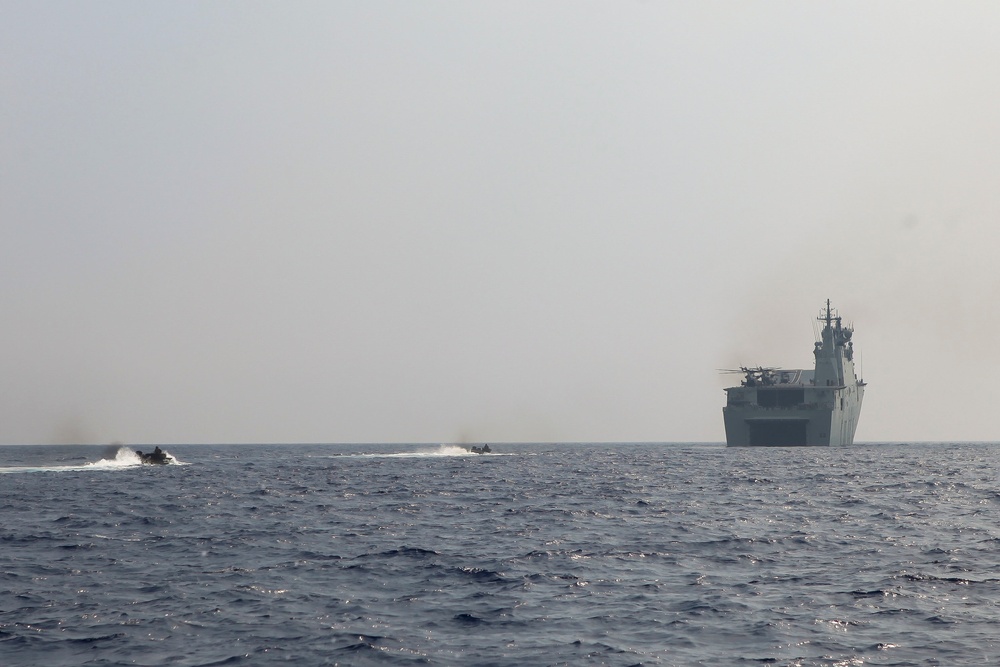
(485, 449)
(156, 457)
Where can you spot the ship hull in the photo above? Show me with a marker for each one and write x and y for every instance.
(825, 417)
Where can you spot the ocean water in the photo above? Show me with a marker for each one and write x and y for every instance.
(610, 554)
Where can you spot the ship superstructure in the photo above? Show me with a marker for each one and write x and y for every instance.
(810, 408)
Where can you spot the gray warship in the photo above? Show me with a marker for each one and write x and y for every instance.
(774, 407)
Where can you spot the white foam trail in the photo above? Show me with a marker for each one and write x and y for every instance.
(449, 450)
(440, 451)
(124, 458)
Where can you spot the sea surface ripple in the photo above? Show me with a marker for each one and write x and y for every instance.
(610, 554)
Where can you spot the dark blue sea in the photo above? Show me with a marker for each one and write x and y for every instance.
(568, 554)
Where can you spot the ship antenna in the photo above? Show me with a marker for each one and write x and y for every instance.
(827, 315)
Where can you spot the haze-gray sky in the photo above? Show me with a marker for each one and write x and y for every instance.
(442, 221)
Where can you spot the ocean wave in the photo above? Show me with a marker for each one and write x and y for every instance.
(615, 555)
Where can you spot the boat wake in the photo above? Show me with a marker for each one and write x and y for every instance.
(124, 458)
(439, 451)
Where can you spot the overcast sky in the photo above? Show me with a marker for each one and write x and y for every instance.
(489, 221)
